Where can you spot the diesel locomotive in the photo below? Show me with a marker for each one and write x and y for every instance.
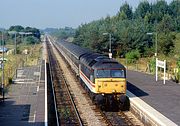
(103, 78)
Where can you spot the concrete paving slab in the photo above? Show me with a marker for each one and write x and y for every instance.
(23, 101)
(165, 98)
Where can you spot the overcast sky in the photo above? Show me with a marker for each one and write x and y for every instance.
(58, 13)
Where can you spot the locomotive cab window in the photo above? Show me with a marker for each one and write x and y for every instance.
(103, 73)
(117, 73)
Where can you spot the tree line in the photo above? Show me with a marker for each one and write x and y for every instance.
(27, 35)
(61, 33)
(129, 30)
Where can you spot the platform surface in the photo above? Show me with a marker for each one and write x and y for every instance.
(165, 98)
(24, 103)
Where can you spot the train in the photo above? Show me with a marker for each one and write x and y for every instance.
(102, 77)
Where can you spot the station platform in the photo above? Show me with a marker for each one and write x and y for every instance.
(24, 103)
(164, 98)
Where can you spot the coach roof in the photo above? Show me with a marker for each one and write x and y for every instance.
(77, 51)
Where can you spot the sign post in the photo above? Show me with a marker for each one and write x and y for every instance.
(156, 70)
(161, 64)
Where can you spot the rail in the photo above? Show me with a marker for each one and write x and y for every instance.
(62, 79)
(54, 97)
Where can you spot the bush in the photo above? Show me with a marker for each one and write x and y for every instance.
(32, 40)
(10, 80)
(178, 63)
(178, 73)
(132, 56)
(152, 65)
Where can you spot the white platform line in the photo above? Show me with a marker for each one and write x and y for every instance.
(34, 117)
(46, 114)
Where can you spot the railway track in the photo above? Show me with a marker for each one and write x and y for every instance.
(105, 118)
(65, 109)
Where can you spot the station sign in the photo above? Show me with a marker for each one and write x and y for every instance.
(110, 55)
(161, 64)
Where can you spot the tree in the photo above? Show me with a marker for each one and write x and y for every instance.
(174, 11)
(159, 10)
(142, 9)
(32, 40)
(62, 33)
(16, 28)
(35, 32)
(127, 10)
(122, 16)
(166, 25)
(166, 43)
(174, 8)
(129, 30)
(177, 22)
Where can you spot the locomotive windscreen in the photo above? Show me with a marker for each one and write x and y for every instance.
(107, 73)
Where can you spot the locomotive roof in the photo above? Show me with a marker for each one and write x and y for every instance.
(77, 51)
(99, 61)
(108, 63)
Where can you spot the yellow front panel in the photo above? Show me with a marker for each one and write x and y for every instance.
(110, 85)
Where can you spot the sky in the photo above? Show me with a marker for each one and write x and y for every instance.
(58, 13)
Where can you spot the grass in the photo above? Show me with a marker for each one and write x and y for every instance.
(142, 63)
(20, 59)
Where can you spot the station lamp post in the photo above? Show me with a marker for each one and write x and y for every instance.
(154, 33)
(2, 65)
(110, 50)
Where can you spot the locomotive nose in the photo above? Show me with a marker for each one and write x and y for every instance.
(111, 85)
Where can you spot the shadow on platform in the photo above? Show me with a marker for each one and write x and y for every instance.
(135, 90)
(16, 115)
